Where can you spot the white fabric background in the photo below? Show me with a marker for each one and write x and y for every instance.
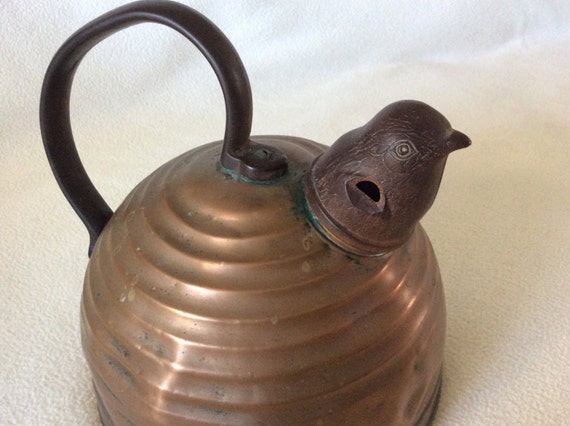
(500, 225)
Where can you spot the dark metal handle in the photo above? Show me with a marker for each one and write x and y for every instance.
(255, 161)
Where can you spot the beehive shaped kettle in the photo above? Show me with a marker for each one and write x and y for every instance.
(264, 280)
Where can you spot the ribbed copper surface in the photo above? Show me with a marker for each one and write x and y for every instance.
(210, 300)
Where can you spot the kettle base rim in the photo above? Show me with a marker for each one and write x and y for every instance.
(426, 419)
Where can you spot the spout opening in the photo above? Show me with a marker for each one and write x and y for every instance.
(370, 189)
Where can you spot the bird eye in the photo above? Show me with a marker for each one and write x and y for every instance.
(402, 150)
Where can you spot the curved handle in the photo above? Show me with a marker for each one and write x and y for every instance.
(254, 161)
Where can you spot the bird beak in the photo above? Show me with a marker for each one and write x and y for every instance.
(456, 140)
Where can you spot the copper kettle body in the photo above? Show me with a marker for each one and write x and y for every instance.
(263, 280)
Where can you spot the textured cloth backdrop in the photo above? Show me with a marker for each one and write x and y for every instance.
(500, 225)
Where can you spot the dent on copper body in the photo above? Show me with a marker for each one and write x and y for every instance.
(260, 280)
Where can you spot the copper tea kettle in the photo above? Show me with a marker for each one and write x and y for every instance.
(264, 280)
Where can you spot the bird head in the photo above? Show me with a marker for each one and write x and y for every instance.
(368, 191)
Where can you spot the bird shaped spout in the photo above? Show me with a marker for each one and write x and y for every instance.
(369, 190)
